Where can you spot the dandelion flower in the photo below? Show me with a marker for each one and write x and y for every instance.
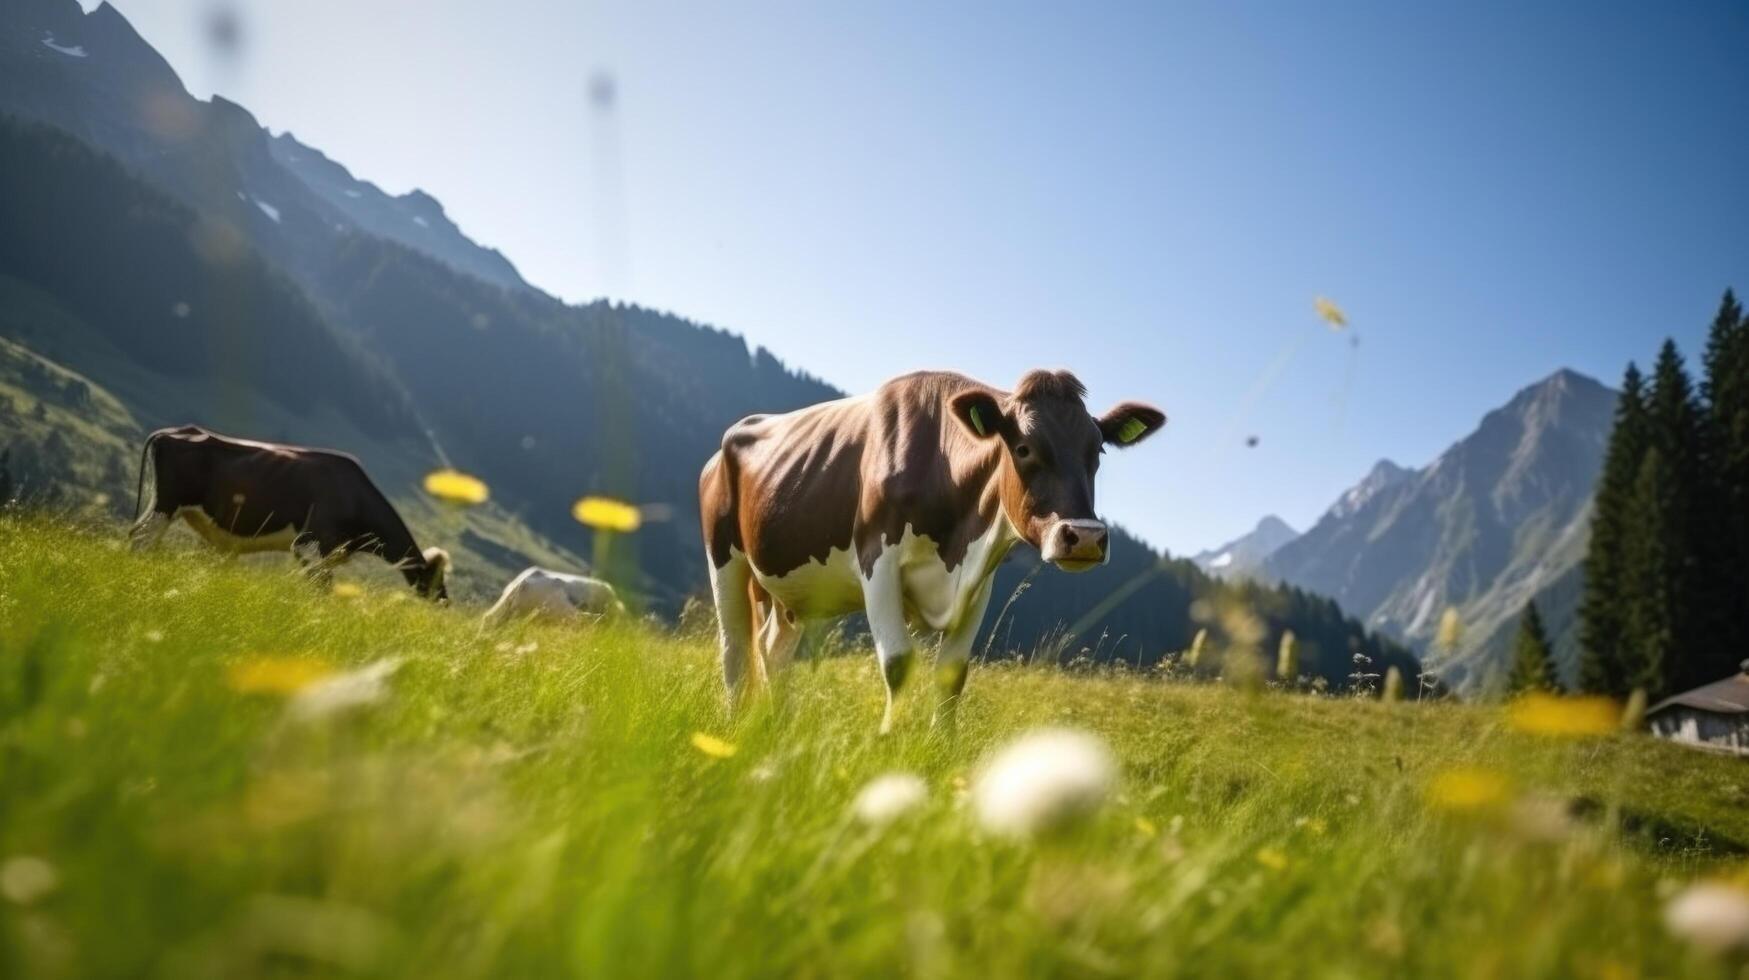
(345, 692)
(25, 879)
(607, 514)
(1330, 313)
(889, 797)
(276, 675)
(1146, 827)
(456, 487)
(1559, 717)
(348, 590)
(1467, 789)
(712, 746)
(1711, 915)
(1043, 782)
(1273, 858)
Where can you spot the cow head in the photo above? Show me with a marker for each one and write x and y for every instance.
(1051, 450)
(429, 575)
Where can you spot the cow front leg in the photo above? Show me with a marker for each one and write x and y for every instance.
(953, 658)
(147, 532)
(883, 599)
(735, 623)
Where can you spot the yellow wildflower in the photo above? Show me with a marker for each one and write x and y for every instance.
(712, 746)
(1549, 714)
(1273, 858)
(607, 514)
(276, 675)
(348, 590)
(1330, 313)
(1467, 789)
(455, 487)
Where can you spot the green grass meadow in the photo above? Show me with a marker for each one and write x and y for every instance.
(529, 802)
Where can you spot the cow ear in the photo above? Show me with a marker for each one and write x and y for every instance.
(1130, 423)
(981, 414)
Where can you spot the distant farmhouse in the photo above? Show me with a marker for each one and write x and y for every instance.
(1713, 716)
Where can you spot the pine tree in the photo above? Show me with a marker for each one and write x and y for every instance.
(1533, 659)
(1601, 622)
(1726, 391)
(1651, 616)
(1679, 435)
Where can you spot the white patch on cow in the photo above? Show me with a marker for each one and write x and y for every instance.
(937, 597)
(225, 539)
(818, 589)
(540, 592)
(942, 598)
(70, 50)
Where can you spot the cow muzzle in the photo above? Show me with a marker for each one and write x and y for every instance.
(1076, 546)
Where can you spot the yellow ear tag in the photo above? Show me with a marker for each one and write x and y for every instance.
(977, 421)
(1131, 430)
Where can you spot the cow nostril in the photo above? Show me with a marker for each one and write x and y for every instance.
(1070, 538)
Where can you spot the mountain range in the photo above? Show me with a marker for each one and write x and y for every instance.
(1243, 556)
(1498, 519)
(165, 260)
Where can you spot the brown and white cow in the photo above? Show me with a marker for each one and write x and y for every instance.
(900, 503)
(245, 496)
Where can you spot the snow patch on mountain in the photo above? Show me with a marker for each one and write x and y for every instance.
(71, 51)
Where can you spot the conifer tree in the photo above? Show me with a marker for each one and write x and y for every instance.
(1651, 627)
(1601, 620)
(1683, 497)
(1726, 392)
(1533, 659)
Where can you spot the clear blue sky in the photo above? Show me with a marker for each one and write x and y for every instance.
(1149, 194)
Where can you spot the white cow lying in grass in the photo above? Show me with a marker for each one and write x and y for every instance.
(543, 592)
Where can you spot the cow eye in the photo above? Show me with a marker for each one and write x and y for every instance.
(1022, 451)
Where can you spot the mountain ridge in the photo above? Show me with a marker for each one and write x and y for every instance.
(1244, 555)
(1500, 515)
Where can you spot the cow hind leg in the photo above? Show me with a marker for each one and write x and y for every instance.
(729, 589)
(148, 530)
(780, 637)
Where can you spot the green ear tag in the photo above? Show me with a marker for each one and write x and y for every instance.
(977, 421)
(1131, 430)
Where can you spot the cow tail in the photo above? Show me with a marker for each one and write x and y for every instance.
(140, 486)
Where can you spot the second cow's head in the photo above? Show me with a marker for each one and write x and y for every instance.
(1052, 449)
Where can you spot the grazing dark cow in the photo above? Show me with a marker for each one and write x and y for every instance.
(900, 503)
(245, 496)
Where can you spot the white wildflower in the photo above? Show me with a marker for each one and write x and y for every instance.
(339, 693)
(26, 879)
(887, 798)
(1711, 915)
(1043, 782)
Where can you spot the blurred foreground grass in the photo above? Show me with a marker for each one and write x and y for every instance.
(533, 802)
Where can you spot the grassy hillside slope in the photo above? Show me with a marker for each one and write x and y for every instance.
(528, 803)
(69, 443)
